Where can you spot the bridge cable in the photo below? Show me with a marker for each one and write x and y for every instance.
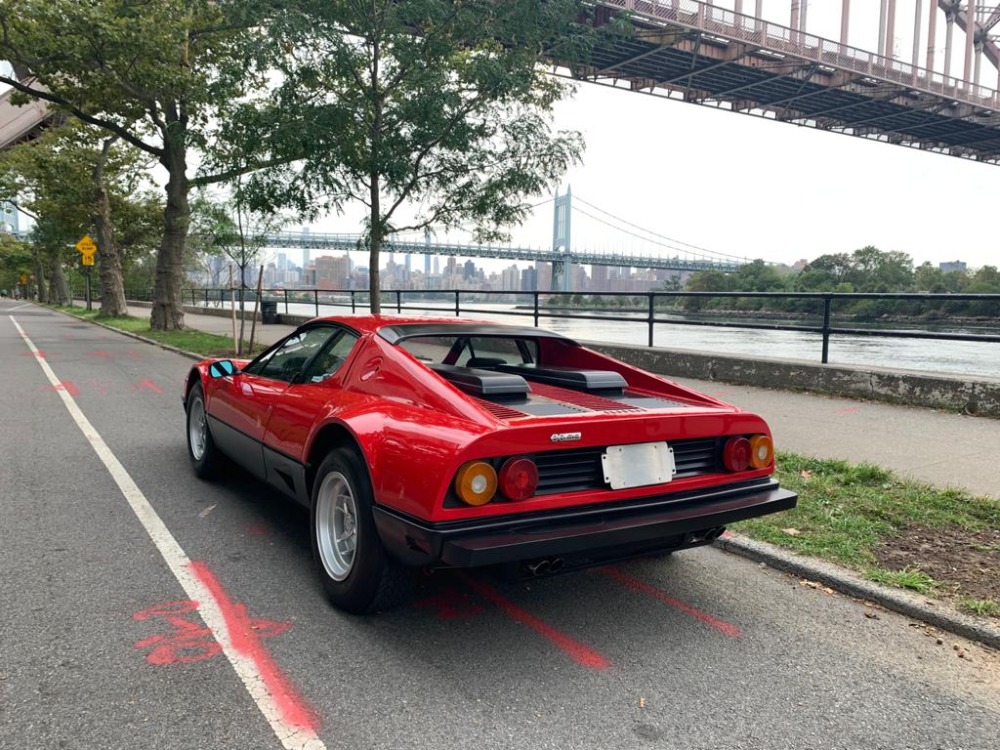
(648, 231)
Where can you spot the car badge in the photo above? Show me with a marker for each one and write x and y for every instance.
(565, 437)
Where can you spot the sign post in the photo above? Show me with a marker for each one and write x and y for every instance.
(87, 248)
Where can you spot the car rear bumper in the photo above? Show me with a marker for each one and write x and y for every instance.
(664, 522)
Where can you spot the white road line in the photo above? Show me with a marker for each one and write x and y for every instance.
(291, 737)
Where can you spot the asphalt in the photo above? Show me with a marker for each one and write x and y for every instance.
(940, 448)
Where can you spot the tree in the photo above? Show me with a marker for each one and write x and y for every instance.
(73, 182)
(228, 229)
(160, 75)
(874, 270)
(15, 261)
(426, 112)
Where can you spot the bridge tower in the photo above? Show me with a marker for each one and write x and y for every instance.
(561, 220)
(8, 217)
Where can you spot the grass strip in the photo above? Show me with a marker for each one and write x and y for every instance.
(189, 339)
(846, 511)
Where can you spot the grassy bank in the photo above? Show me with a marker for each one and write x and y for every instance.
(940, 542)
(190, 340)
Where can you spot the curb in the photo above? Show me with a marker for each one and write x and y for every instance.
(847, 582)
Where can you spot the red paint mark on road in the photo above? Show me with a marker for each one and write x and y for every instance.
(635, 584)
(847, 410)
(101, 354)
(450, 605)
(133, 353)
(257, 530)
(148, 385)
(39, 353)
(189, 642)
(64, 385)
(719, 393)
(246, 640)
(578, 652)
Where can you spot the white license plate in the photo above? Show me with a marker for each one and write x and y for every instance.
(638, 465)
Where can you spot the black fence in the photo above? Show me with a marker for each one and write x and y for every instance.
(803, 312)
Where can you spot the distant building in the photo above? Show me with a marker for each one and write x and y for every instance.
(529, 280)
(955, 266)
(333, 273)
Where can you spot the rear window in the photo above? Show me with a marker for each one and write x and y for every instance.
(472, 351)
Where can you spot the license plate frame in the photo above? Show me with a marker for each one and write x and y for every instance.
(638, 465)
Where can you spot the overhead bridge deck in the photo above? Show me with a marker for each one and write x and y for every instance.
(711, 55)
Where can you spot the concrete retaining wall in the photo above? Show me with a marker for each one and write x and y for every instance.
(970, 395)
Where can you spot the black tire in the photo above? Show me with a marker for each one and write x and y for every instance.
(205, 456)
(358, 574)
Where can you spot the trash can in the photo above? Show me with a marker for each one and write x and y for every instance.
(268, 311)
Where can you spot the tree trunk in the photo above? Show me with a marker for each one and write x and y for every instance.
(58, 288)
(168, 310)
(112, 287)
(40, 285)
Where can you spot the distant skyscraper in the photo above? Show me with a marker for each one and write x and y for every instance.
(427, 265)
(437, 266)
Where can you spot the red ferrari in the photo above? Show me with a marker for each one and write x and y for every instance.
(445, 443)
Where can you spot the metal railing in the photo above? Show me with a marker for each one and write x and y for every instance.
(648, 308)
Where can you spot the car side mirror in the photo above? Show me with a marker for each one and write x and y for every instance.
(223, 368)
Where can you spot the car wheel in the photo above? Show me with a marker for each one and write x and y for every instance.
(357, 573)
(205, 457)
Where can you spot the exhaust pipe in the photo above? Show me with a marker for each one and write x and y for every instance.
(544, 566)
(538, 567)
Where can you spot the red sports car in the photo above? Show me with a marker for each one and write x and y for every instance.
(443, 443)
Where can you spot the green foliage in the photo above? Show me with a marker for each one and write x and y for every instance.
(428, 113)
(867, 270)
(907, 578)
(15, 259)
(161, 75)
(979, 607)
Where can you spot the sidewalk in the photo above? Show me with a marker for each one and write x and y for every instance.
(948, 450)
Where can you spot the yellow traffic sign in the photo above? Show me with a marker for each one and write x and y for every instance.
(24, 278)
(88, 259)
(87, 246)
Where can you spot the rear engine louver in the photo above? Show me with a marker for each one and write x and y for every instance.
(574, 470)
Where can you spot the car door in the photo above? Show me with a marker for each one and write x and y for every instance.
(304, 402)
(244, 405)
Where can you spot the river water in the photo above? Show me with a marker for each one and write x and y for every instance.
(973, 358)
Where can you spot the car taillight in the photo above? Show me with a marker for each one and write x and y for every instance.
(518, 478)
(761, 451)
(476, 483)
(740, 453)
(736, 454)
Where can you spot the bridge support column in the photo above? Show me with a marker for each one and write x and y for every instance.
(970, 35)
(845, 16)
(931, 33)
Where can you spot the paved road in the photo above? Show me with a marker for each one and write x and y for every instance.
(100, 646)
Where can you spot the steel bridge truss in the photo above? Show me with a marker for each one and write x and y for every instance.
(710, 55)
(352, 242)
